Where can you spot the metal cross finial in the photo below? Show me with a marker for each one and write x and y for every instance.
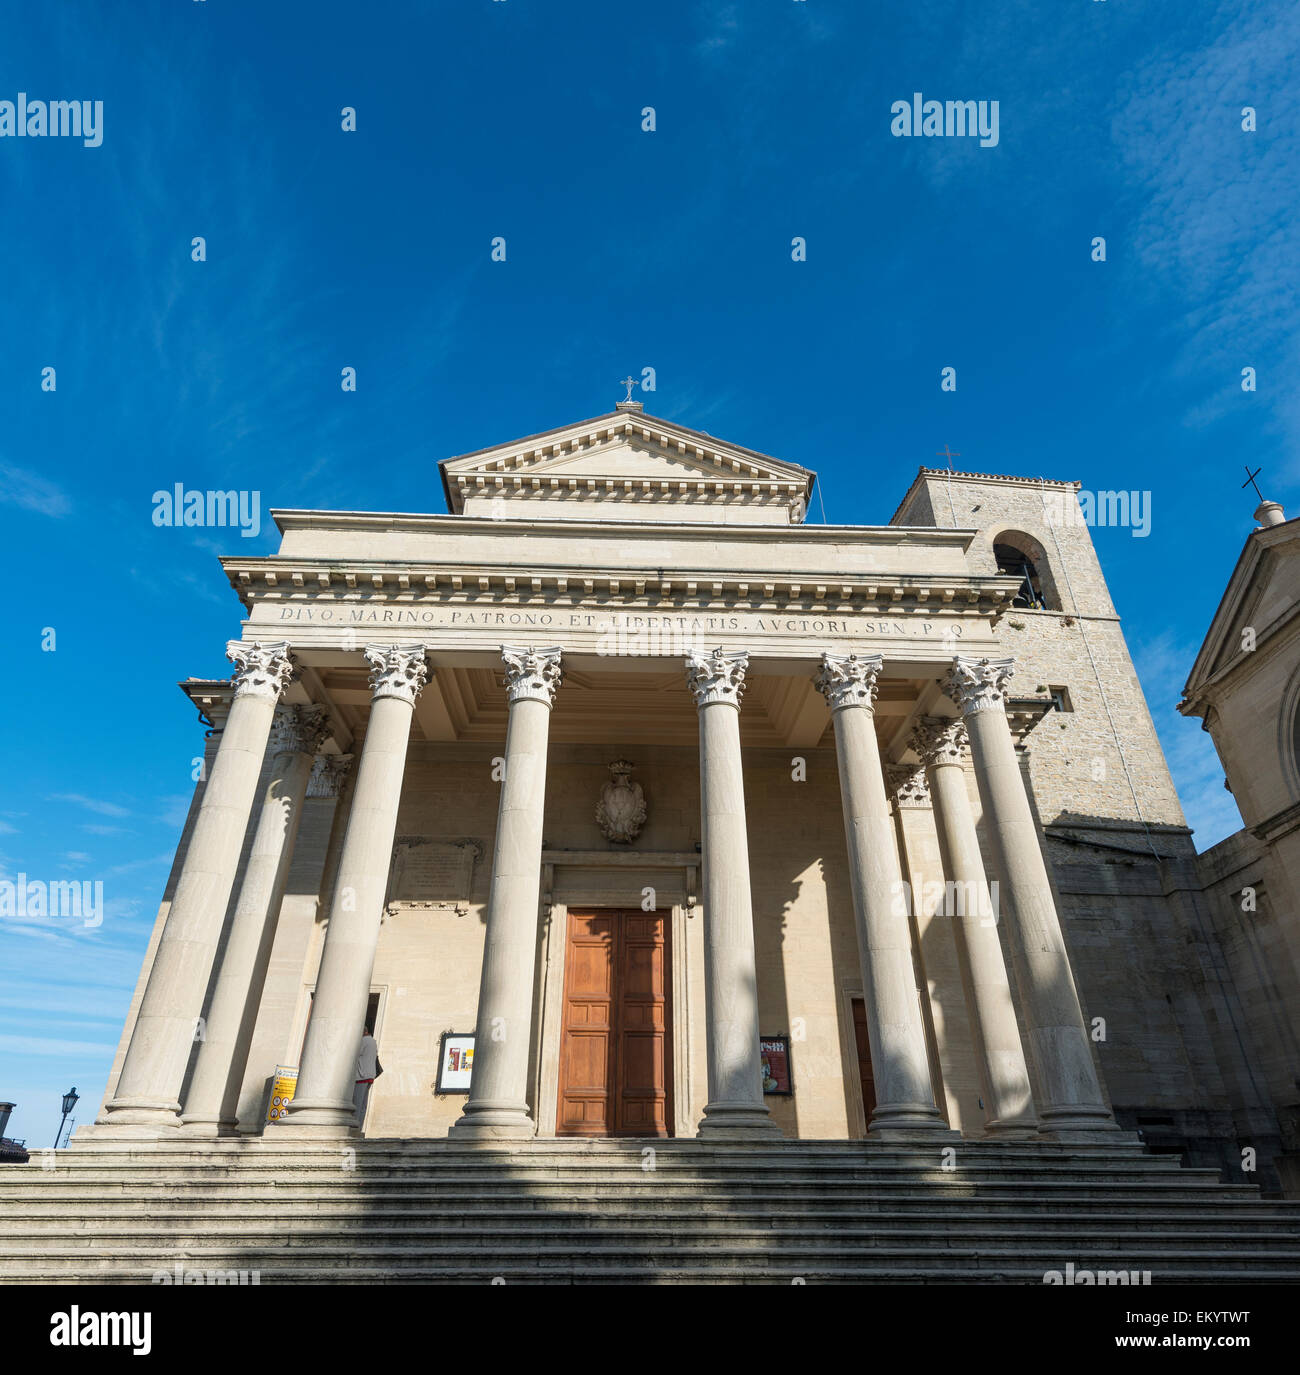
(629, 382)
(1250, 480)
(948, 454)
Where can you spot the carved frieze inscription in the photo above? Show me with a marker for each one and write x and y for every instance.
(613, 631)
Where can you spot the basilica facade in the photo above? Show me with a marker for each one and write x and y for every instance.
(622, 801)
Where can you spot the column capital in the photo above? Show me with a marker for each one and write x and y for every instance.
(298, 730)
(328, 774)
(532, 675)
(261, 670)
(908, 786)
(940, 740)
(850, 680)
(979, 684)
(397, 671)
(717, 675)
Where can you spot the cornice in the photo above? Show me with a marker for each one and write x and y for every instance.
(281, 579)
(212, 699)
(1274, 827)
(406, 522)
(1269, 641)
(994, 479)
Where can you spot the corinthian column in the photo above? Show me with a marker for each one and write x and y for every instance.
(899, 1062)
(167, 1024)
(323, 1101)
(497, 1107)
(212, 1104)
(735, 1105)
(1070, 1096)
(1004, 1078)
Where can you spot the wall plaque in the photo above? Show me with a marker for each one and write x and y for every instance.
(432, 873)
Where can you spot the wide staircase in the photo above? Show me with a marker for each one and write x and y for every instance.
(624, 1212)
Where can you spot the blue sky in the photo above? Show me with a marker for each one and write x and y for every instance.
(624, 250)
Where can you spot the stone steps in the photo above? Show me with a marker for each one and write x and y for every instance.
(672, 1262)
(548, 1212)
(400, 1211)
(1103, 1235)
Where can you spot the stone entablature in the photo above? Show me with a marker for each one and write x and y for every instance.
(585, 585)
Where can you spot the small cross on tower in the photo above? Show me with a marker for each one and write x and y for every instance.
(629, 382)
(949, 455)
(1250, 481)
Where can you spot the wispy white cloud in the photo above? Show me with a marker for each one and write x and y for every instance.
(28, 490)
(41, 1045)
(1215, 223)
(92, 804)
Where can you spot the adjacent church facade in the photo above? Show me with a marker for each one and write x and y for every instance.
(681, 815)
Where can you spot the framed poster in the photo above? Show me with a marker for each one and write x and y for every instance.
(455, 1062)
(775, 1061)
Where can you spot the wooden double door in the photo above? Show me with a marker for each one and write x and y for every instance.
(616, 1041)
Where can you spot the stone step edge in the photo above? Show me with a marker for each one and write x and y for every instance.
(1230, 1261)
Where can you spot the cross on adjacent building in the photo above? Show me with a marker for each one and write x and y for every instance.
(1250, 480)
(949, 455)
(628, 382)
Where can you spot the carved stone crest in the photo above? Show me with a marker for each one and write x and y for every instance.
(620, 813)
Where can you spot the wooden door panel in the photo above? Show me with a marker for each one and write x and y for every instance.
(616, 1032)
(587, 1044)
(642, 1096)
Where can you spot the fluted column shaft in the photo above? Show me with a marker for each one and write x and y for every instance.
(900, 1064)
(1070, 1095)
(1004, 1076)
(497, 1107)
(166, 1026)
(327, 1075)
(212, 1104)
(735, 1105)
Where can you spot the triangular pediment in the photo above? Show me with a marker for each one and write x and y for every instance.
(1262, 596)
(628, 457)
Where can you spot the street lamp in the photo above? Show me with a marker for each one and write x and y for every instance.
(69, 1102)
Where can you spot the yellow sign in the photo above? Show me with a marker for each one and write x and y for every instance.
(286, 1081)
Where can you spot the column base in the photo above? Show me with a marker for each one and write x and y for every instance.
(1083, 1126)
(909, 1118)
(148, 1113)
(490, 1122)
(914, 1136)
(727, 1121)
(1106, 1138)
(327, 1115)
(124, 1131)
(209, 1127)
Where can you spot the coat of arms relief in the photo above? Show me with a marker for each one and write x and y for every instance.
(621, 813)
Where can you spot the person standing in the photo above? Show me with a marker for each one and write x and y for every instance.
(368, 1070)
